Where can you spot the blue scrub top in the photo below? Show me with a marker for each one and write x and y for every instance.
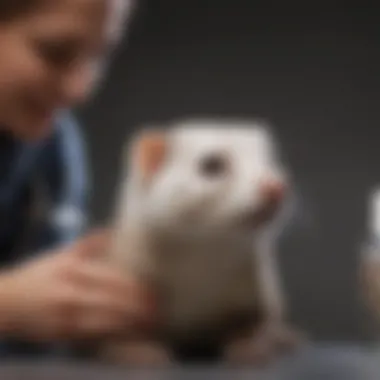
(44, 192)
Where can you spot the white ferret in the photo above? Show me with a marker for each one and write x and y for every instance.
(200, 204)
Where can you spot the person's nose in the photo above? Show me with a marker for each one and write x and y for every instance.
(77, 84)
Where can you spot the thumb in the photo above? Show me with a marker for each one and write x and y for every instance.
(94, 244)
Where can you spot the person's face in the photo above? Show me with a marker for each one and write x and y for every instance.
(48, 61)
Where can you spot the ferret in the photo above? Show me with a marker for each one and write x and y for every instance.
(200, 206)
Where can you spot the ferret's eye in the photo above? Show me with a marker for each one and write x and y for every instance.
(213, 166)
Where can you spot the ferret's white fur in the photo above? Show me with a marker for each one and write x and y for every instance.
(208, 266)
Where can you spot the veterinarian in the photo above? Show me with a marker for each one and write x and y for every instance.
(51, 289)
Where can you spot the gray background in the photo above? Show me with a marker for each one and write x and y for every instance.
(313, 71)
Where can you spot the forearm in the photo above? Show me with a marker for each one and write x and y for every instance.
(8, 309)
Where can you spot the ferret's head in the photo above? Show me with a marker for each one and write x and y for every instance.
(206, 175)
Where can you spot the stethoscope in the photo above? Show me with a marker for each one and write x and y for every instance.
(65, 216)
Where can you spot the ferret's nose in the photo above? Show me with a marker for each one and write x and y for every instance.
(273, 190)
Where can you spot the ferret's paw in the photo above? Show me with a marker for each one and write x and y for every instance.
(138, 354)
(266, 345)
(281, 336)
(245, 351)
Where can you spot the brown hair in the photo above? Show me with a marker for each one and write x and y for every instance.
(10, 9)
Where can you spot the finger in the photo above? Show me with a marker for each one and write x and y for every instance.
(96, 313)
(84, 325)
(86, 311)
(114, 288)
(93, 245)
(101, 324)
(98, 275)
(108, 310)
(76, 299)
(102, 301)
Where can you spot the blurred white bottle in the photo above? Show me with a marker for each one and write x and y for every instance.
(371, 250)
(370, 258)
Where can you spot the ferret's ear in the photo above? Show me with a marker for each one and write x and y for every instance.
(149, 151)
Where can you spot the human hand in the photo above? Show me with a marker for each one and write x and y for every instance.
(70, 294)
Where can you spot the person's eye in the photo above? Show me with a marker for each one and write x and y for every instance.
(57, 53)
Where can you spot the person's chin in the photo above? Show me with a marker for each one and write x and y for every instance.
(35, 128)
(42, 129)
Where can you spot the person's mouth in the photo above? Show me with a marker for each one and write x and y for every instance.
(42, 110)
